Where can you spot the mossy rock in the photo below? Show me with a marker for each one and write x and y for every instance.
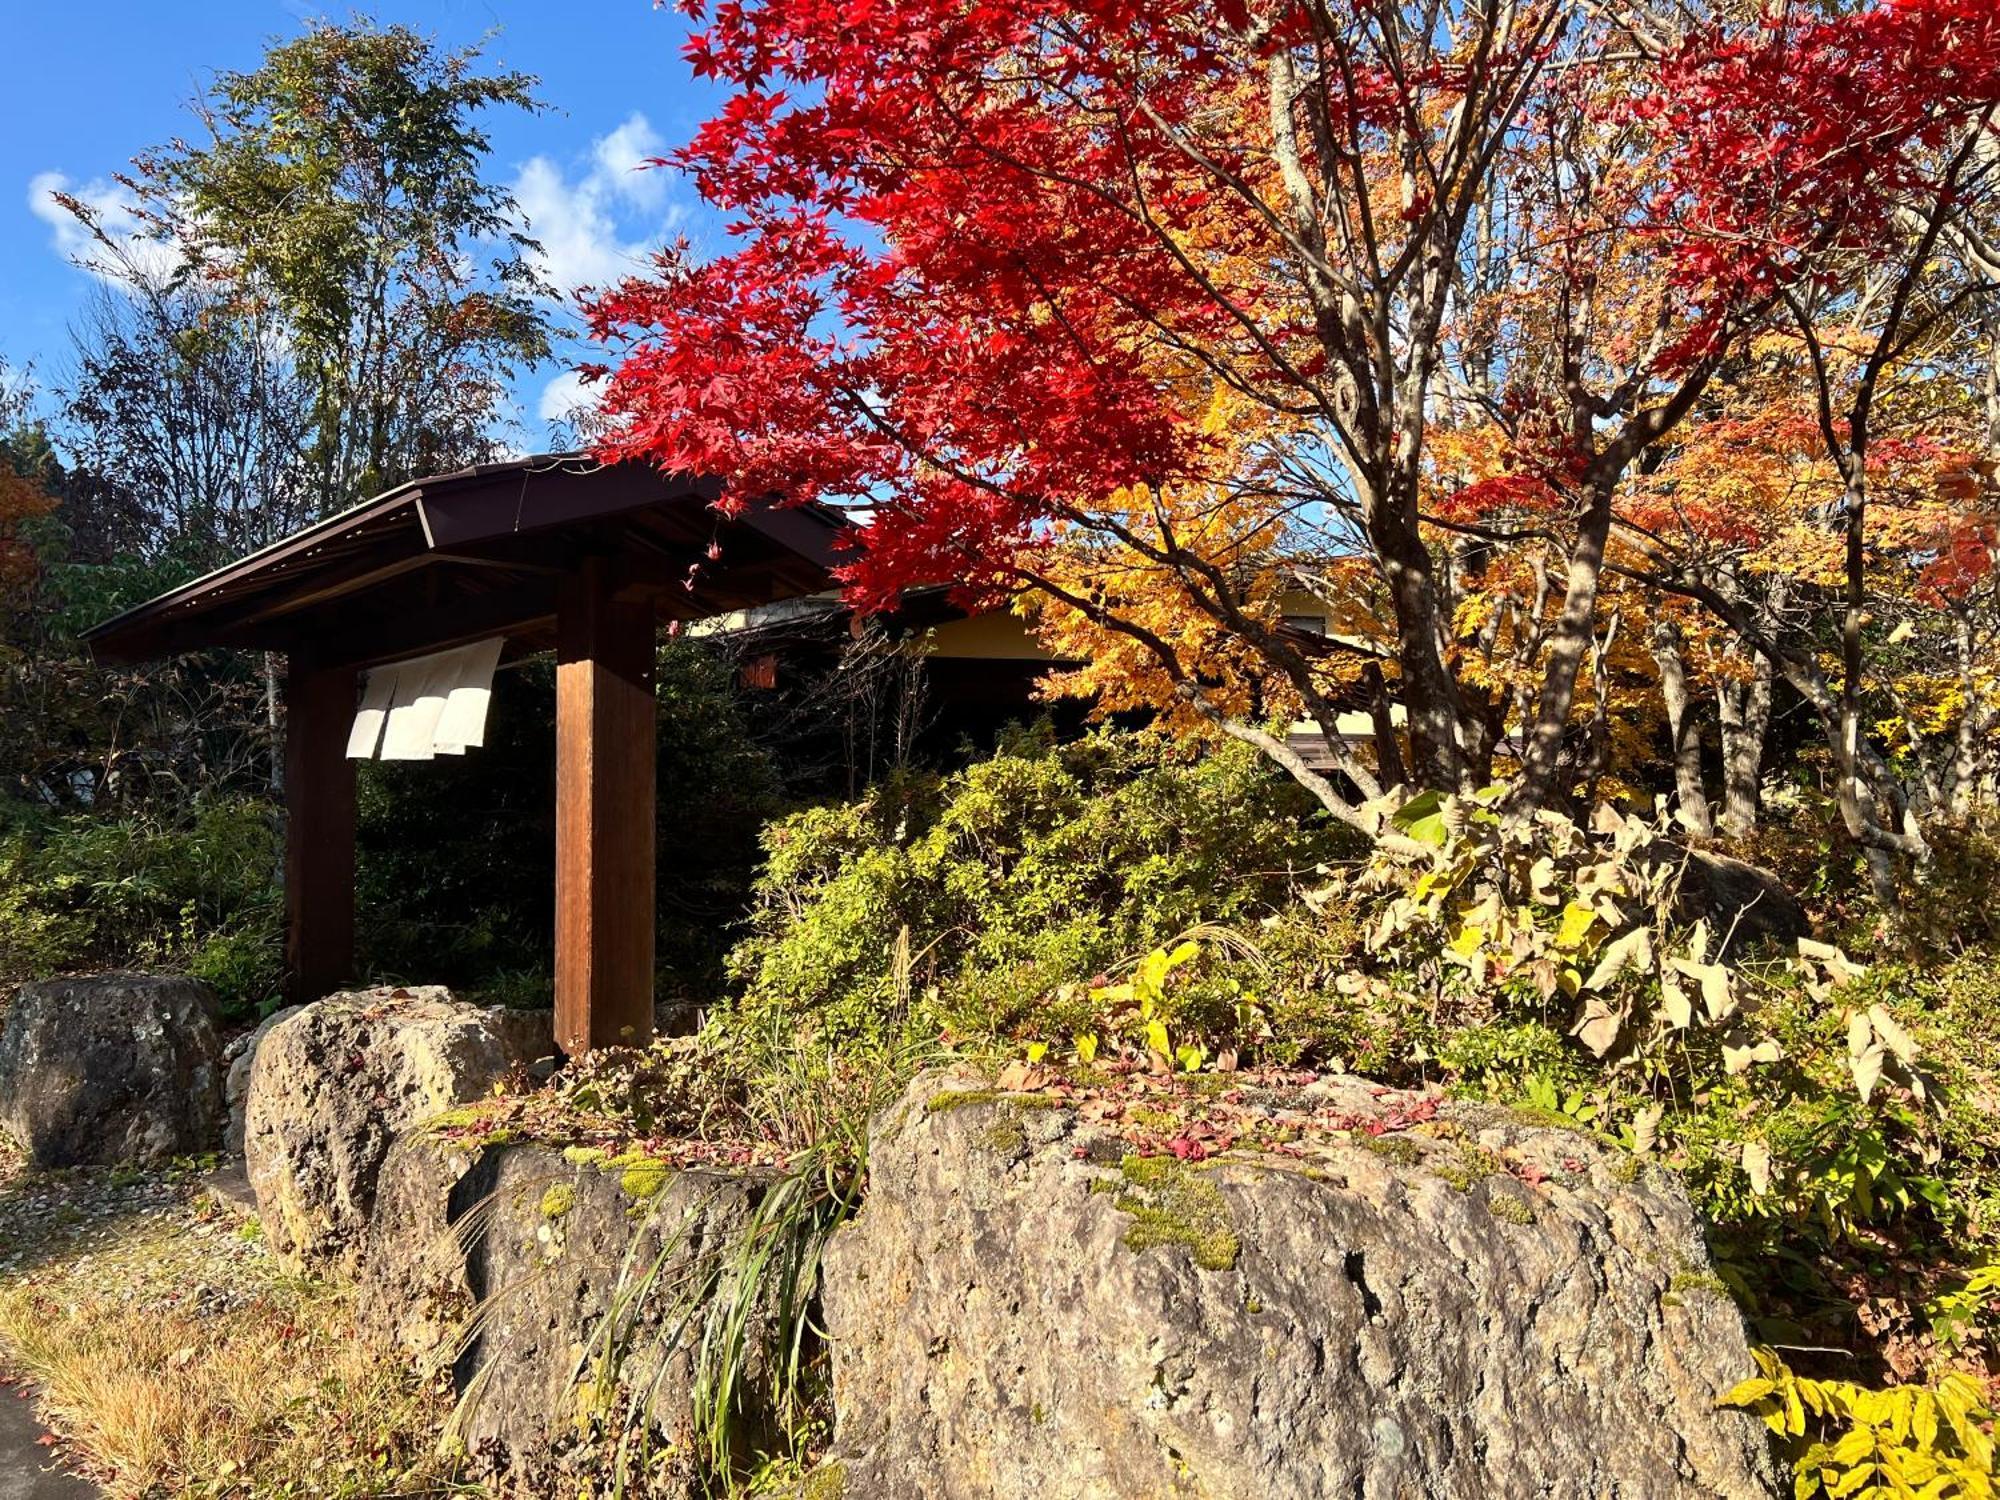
(640, 1176)
(950, 1099)
(1399, 1149)
(558, 1200)
(1173, 1203)
(1472, 1164)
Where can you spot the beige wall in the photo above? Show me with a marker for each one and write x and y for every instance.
(988, 637)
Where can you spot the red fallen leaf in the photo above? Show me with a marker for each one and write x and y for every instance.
(1571, 1164)
(1079, 1153)
(48, 1440)
(1528, 1172)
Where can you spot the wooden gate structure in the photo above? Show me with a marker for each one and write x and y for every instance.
(555, 552)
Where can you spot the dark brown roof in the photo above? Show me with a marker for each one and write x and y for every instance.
(460, 557)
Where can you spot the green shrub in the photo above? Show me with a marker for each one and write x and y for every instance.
(143, 890)
(1832, 1122)
(977, 902)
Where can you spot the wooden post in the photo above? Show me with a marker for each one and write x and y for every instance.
(319, 830)
(606, 738)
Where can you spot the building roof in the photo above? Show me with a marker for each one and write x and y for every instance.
(477, 553)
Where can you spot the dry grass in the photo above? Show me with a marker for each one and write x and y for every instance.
(174, 1359)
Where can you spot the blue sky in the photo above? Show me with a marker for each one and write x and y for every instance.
(92, 81)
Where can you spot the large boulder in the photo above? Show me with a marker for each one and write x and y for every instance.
(332, 1086)
(1745, 905)
(110, 1068)
(559, 1285)
(525, 1036)
(1477, 1306)
(237, 1058)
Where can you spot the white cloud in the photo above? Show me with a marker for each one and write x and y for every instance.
(623, 160)
(562, 397)
(132, 254)
(579, 237)
(586, 226)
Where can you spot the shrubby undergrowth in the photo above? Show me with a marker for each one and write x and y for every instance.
(975, 902)
(146, 889)
(1829, 1106)
(1831, 1116)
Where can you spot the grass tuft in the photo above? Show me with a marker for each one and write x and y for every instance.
(175, 1359)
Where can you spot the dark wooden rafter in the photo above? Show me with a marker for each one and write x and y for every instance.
(523, 519)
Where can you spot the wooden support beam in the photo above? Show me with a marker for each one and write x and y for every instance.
(319, 830)
(606, 736)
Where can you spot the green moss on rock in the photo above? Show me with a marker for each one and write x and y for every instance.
(1005, 1134)
(950, 1099)
(827, 1482)
(1399, 1149)
(639, 1175)
(1691, 1280)
(1473, 1164)
(958, 1099)
(558, 1200)
(1172, 1203)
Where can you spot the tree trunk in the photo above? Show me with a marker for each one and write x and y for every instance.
(1689, 794)
(1430, 696)
(1745, 710)
(1388, 748)
(1568, 642)
(274, 723)
(1598, 761)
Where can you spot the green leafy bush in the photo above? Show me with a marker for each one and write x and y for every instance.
(145, 890)
(1846, 1442)
(1832, 1120)
(977, 902)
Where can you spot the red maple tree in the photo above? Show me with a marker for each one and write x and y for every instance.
(990, 263)
(1845, 168)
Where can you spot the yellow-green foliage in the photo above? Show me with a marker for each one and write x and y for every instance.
(1846, 1442)
(973, 898)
